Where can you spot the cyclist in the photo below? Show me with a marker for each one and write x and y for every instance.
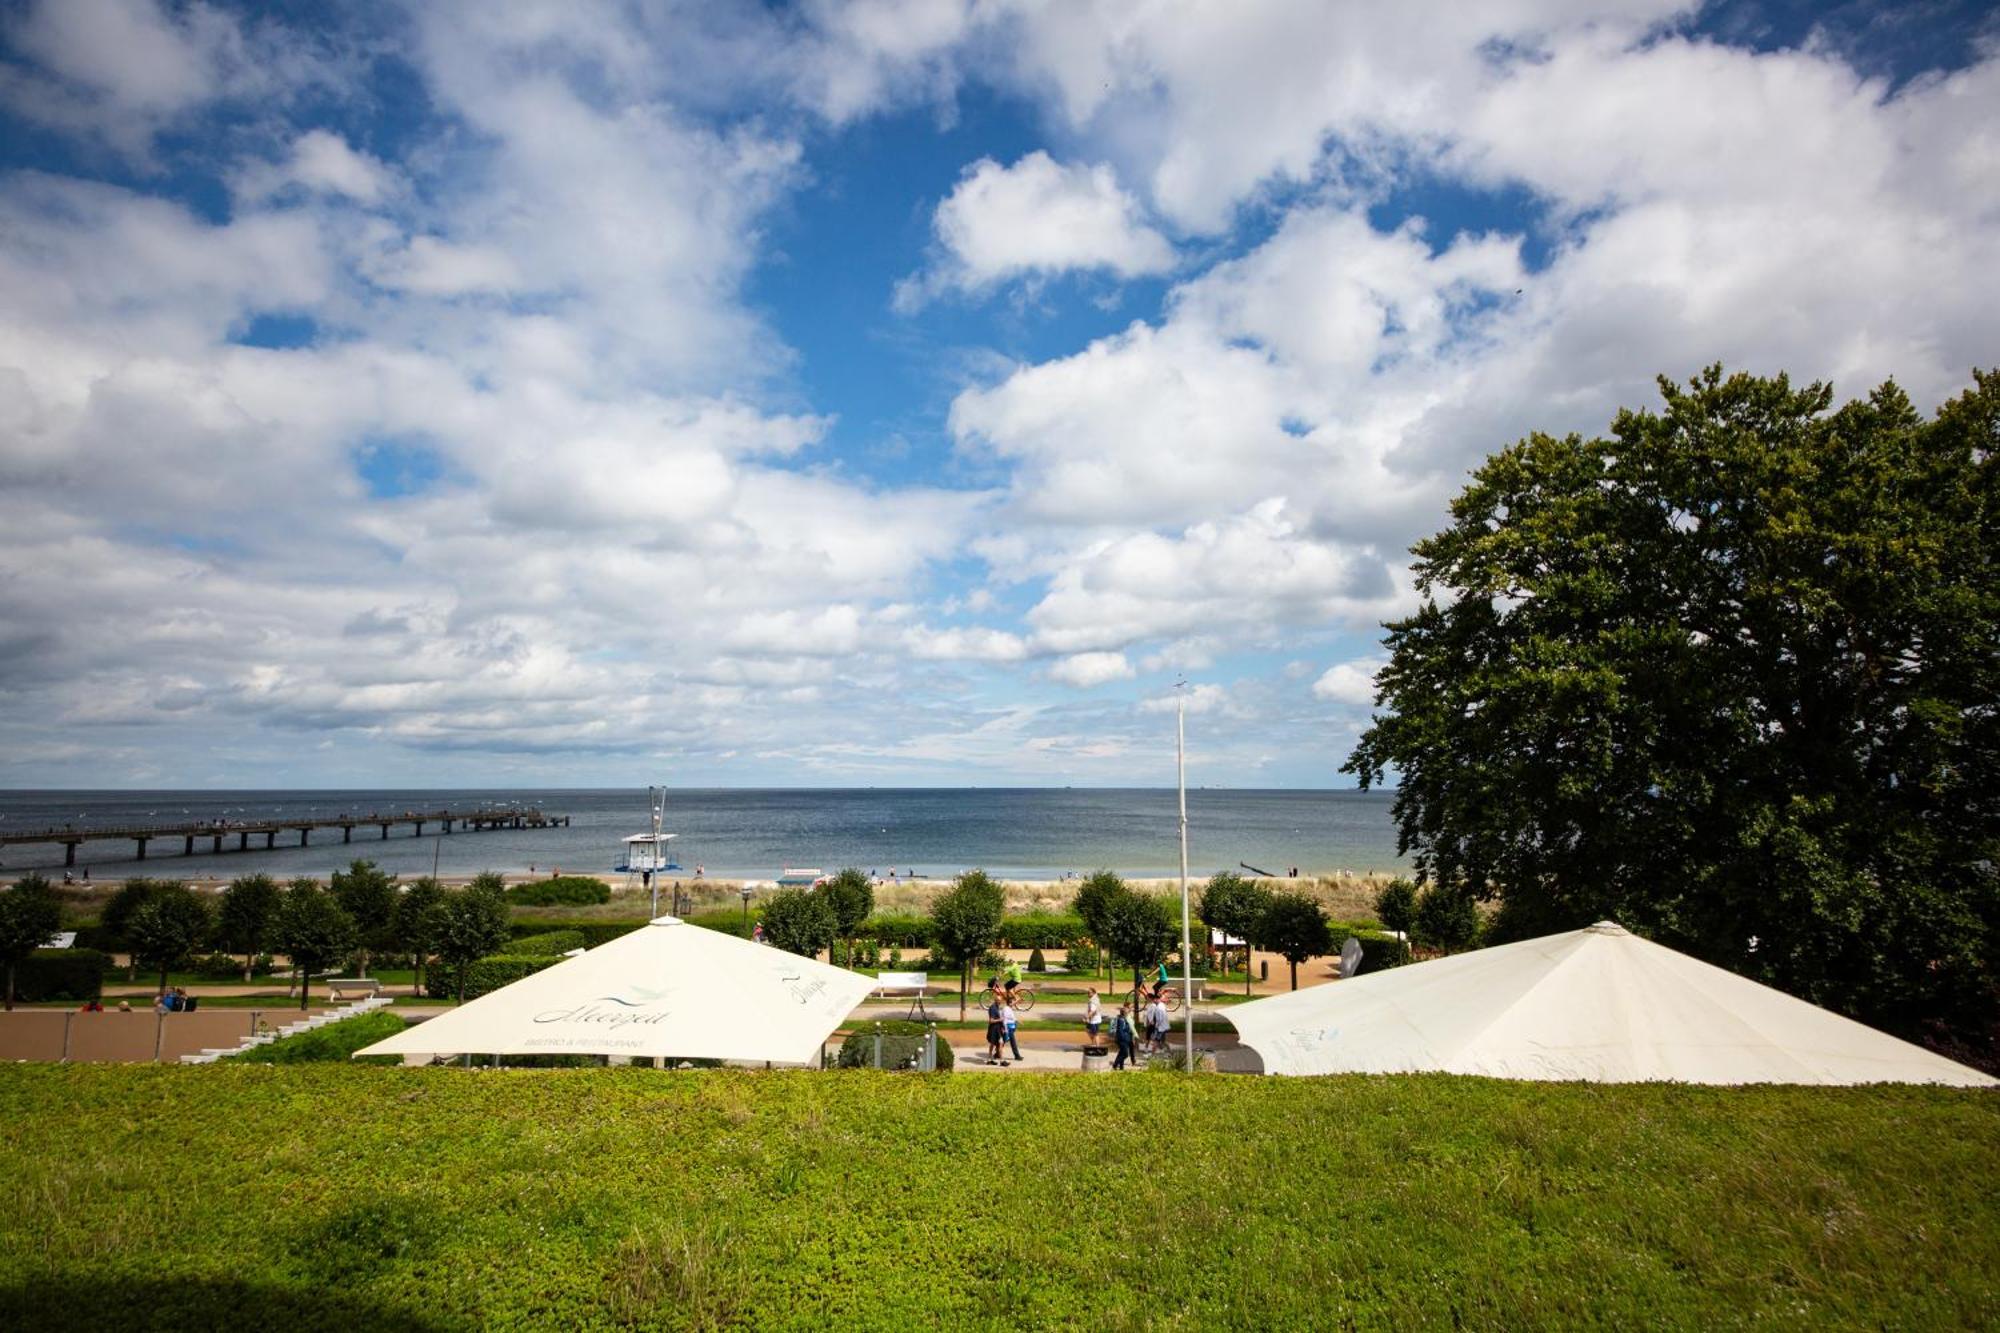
(1013, 975)
(1160, 980)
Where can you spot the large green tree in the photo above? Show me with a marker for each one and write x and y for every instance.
(1139, 929)
(168, 927)
(367, 893)
(1295, 928)
(1727, 675)
(125, 902)
(313, 930)
(249, 907)
(851, 897)
(966, 923)
(471, 923)
(416, 923)
(1234, 906)
(799, 922)
(30, 912)
(1098, 891)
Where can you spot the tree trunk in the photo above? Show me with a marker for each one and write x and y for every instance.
(1295, 974)
(364, 962)
(248, 956)
(417, 987)
(305, 984)
(1246, 967)
(964, 980)
(163, 978)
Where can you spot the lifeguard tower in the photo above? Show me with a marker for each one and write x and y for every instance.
(650, 855)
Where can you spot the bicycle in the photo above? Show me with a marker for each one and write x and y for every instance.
(1139, 997)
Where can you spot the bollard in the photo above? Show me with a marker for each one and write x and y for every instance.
(878, 1043)
(930, 1048)
(66, 1022)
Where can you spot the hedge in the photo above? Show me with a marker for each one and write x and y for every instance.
(1381, 952)
(1041, 930)
(486, 974)
(561, 891)
(550, 943)
(59, 974)
(905, 930)
(902, 1047)
(726, 920)
(335, 1041)
(594, 933)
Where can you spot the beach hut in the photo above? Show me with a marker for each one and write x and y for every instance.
(1597, 1004)
(666, 990)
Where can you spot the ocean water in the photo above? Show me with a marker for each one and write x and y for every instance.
(1027, 833)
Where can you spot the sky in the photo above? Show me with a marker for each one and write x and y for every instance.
(901, 392)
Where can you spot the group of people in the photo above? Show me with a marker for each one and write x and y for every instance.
(174, 1001)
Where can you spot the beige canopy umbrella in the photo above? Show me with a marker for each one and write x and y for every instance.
(667, 989)
(1598, 1004)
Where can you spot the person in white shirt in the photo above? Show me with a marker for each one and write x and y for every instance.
(1093, 1014)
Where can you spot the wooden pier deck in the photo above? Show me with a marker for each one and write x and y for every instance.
(215, 832)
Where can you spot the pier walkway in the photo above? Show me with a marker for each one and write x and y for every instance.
(215, 831)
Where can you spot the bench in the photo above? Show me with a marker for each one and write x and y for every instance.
(336, 987)
(914, 984)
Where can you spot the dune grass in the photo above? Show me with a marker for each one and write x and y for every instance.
(442, 1198)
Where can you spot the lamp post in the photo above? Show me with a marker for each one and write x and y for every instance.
(656, 796)
(746, 891)
(1187, 944)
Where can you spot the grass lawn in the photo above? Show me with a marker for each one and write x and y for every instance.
(329, 1196)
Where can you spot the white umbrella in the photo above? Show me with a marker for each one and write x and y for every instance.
(668, 990)
(1597, 1004)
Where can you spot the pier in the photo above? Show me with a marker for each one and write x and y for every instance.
(216, 832)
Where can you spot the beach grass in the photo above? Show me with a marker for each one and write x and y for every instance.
(333, 1195)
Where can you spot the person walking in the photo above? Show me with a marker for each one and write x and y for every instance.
(1121, 1032)
(994, 1031)
(1093, 1014)
(1010, 1020)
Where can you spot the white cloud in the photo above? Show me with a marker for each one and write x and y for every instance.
(1085, 670)
(1035, 218)
(320, 162)
(1349, 683)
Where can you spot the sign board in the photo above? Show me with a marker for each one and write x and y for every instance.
(62, 939)
(903, 980)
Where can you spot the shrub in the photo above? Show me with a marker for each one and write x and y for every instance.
(1036, 963)
(561, 891)
(1445, 918)
(551, 943)
(798, 922)
(335, 1041)
(1380, 952)
(595, 933)
(902, 1047)
(728, 921)
(483, 975)
(217, 967)
(60, 974)
(899, 929)
(1041, 930)
(993, 962)
(1083, 956)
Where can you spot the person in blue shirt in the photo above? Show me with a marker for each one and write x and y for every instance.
(1121, 1032)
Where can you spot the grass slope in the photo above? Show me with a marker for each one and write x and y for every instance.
(330, 1196)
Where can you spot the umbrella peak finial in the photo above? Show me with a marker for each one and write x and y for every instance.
(665, 921)
(1608, 928)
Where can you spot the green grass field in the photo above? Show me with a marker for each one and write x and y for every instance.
(335, 1196)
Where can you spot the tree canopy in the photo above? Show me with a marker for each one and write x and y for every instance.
(1727, 675)
(1234, 905)
(967, 923)
(367, 893)
(471, 923)
(1295, 928)
(1139, 929)
(851, 897)
(799, 922)
(249, 908)
(30, 912)
(418, 918)
(168, 927)
(313, 930)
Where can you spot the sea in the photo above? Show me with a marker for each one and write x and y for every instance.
(737, 833)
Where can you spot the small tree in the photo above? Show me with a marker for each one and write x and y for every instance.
(313, 930)
(1139, 929)
(118, 913)
(966, 923)
(1093, 897)
(1444, 918)
(799, 922)
(1234, 906)
(851, 898)
(168, 928)
(471, 924)
(249, 906)
(417, 921)
(1396, 906)
(368, 895)
(30, 912)
(1294, 927)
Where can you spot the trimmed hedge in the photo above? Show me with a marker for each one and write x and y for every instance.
(550, 943)
(335, 1041)
(486, 974)
(905, 930)
(561, 891)
(1380, 952)
(1041, 930)
(594, 933)
(902, 1047)
(60, 974)
(726, 920)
